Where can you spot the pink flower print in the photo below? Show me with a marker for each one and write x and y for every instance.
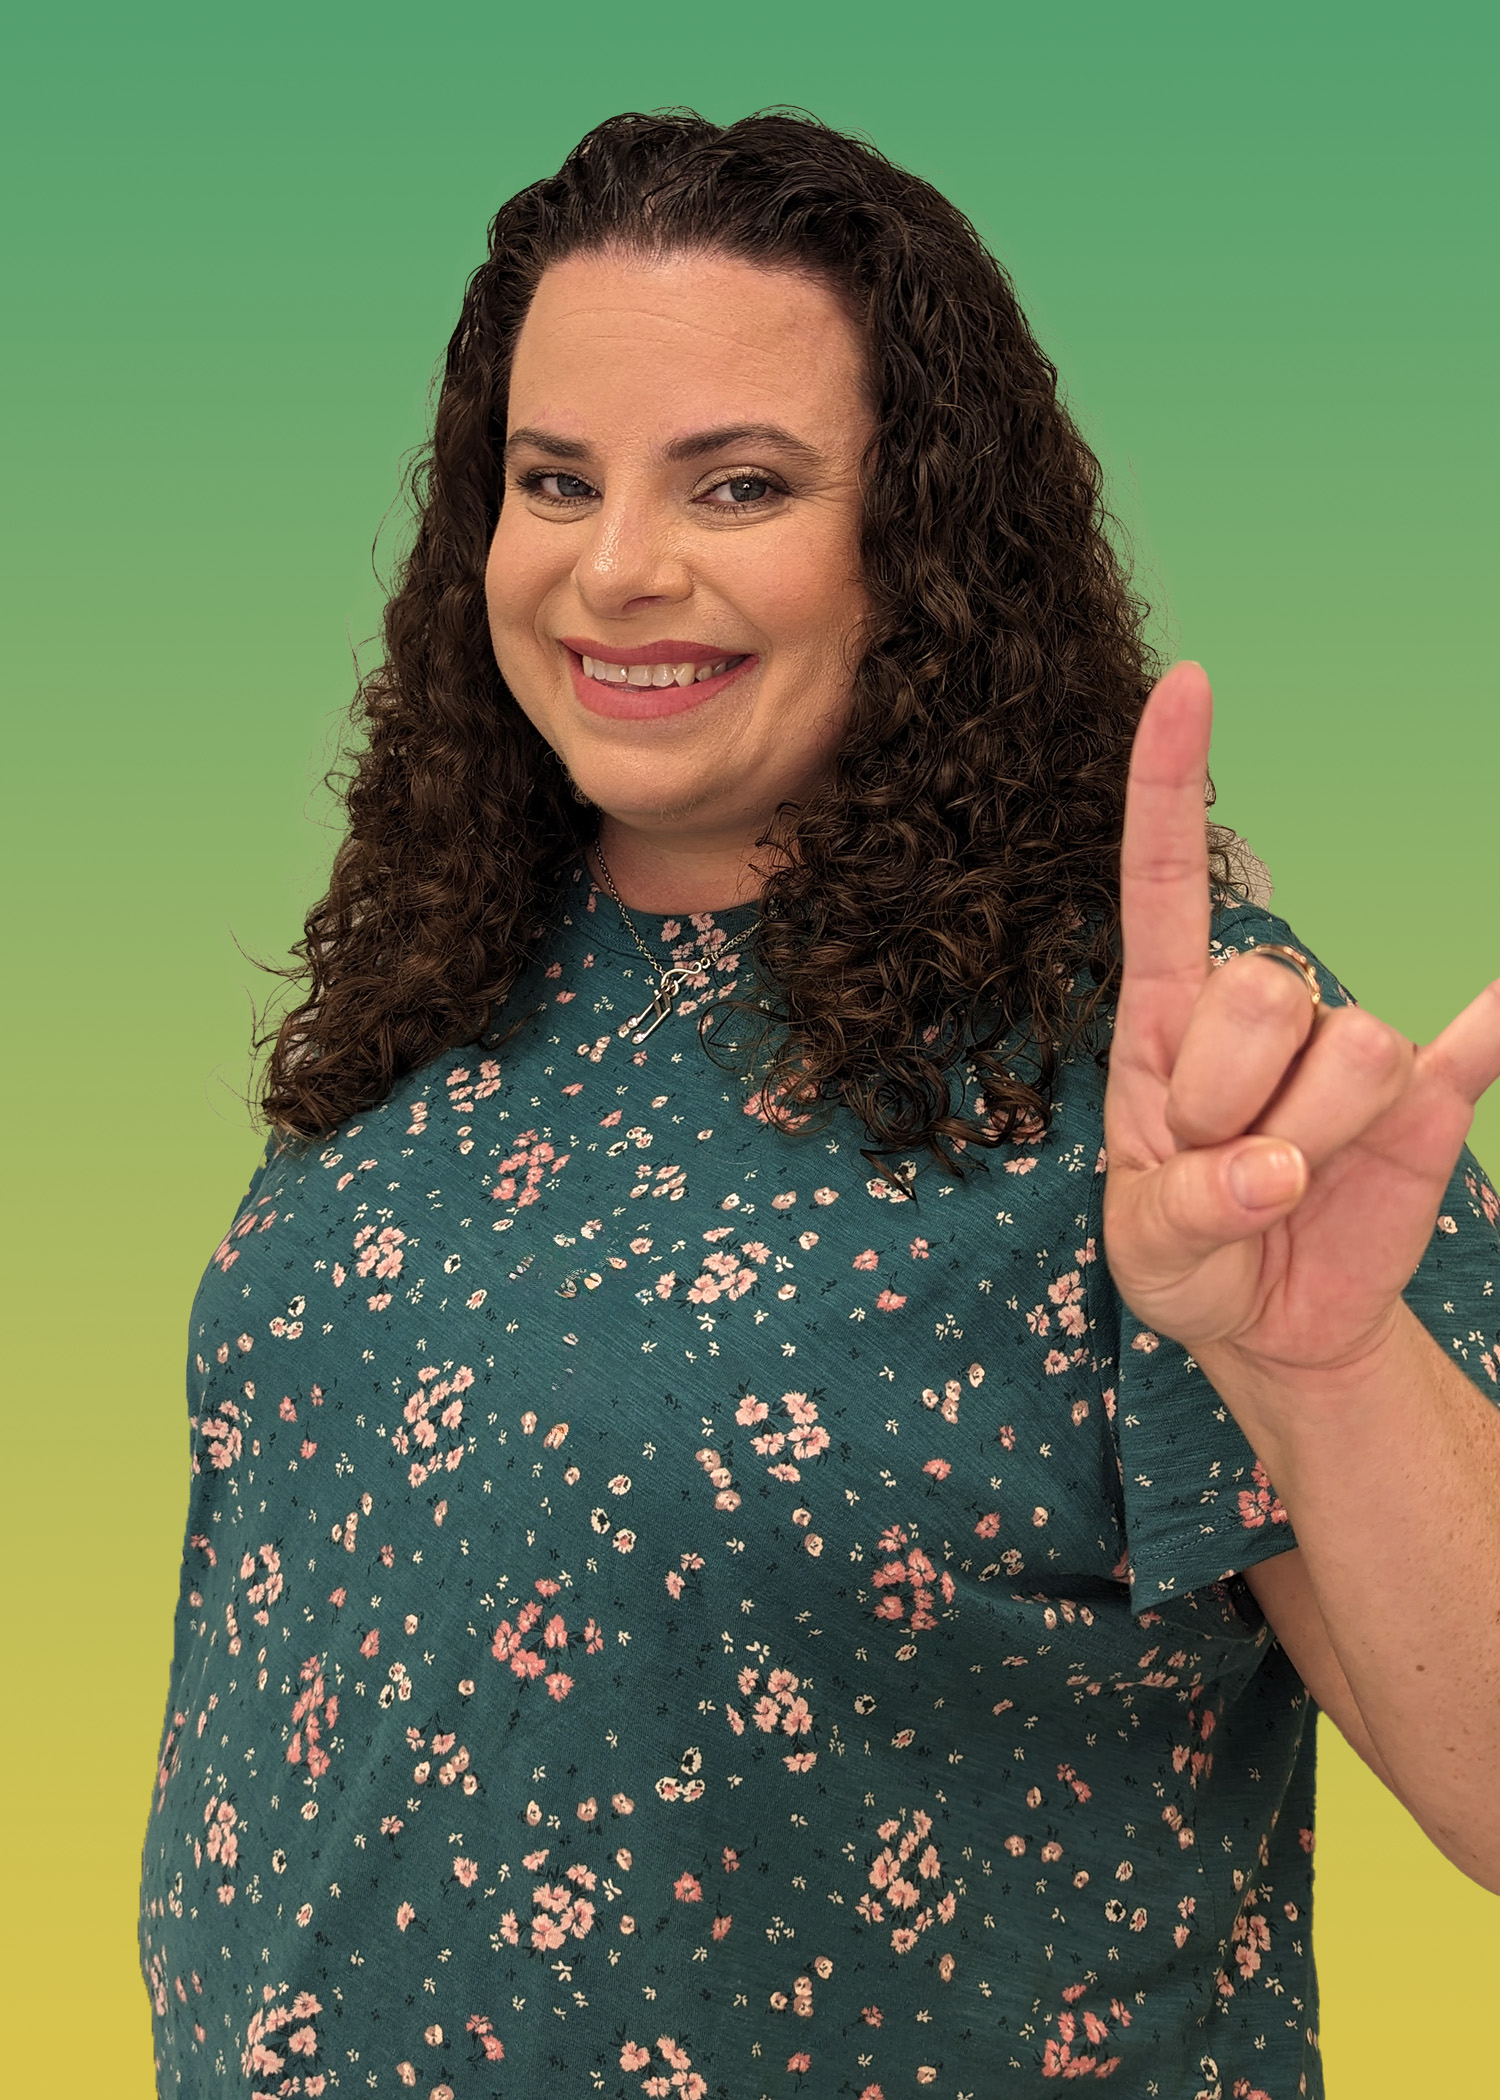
(438, 1398)
(1146, 1342)
(988, 1526)
(780, 1706)
(1080, 1790)
(379, 1251)
(481, 2025)
(633, 2057)
(891, 1873)
(919, 1250)
(404, 1915)
(531, 1161)
(688, 1889)
(527, 1658)
(266, 1566)
(800, 2062)
(916, 1571)
(750, 1411)
(868, 1260)
(465, 1871)
(1066, 1293)
(313, 1715)
(223, 1436)
(721, 1925)
(947, 1401)
(1489, 1202)
(890, 1301)
(939, 1468)
(1263, 1506)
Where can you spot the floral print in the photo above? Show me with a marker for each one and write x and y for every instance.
(669, 1609)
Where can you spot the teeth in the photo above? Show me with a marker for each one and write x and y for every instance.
(653, 674)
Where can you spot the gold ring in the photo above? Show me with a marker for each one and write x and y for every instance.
(1294, 960)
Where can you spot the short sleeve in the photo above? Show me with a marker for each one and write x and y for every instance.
(1198, 1504)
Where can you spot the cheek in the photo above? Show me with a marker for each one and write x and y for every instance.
(517, 576)
(808, 595)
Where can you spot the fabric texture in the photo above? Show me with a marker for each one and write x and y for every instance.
(666, 1611)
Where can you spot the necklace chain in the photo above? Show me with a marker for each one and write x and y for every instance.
(670, 977)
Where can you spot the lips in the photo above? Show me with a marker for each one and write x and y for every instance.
(648, 682)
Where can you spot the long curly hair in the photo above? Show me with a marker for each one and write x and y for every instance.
(944, 909)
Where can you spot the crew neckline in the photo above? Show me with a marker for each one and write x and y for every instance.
(595, 914)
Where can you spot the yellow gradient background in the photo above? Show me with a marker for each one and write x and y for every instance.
(1260, 245)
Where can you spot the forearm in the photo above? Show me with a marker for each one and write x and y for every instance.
(1391, 1478)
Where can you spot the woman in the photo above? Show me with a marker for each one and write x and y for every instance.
(702, 1578)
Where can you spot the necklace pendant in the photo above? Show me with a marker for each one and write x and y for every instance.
(659, 1008)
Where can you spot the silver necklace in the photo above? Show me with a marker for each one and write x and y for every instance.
(669, 981)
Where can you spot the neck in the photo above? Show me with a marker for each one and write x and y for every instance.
(654, 873)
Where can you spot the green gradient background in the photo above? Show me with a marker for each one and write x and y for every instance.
(1259, 247)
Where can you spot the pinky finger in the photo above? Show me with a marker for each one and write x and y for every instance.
(1467, 1053)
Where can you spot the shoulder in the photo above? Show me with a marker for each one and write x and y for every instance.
(1240, 924)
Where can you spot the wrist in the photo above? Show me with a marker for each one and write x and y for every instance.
(1285, 1409)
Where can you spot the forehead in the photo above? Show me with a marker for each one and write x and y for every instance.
(690, 340)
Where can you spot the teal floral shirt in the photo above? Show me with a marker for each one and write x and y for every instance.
(667, 1611)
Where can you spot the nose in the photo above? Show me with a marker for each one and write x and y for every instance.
(633, 557)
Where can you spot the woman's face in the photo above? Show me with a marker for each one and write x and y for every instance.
(674, 588)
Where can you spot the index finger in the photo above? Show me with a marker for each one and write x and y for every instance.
(1164, 894)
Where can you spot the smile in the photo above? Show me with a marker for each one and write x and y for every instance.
(659, 675)
(635, 687)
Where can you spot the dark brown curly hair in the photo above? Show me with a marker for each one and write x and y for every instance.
(946, 904)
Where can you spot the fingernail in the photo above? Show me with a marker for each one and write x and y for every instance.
(1265, 1175)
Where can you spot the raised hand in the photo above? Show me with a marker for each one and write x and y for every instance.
(1274, 1169)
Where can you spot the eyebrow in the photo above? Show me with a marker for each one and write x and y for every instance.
(695, 446)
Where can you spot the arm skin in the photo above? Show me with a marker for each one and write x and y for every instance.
(1401, 1648)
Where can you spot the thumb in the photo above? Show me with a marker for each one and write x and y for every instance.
(1209, 1196)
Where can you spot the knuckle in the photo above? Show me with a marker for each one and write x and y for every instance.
(1273, 992)
(1369, 1044)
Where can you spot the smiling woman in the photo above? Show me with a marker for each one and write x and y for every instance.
(680, 1599)
(714, 419)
